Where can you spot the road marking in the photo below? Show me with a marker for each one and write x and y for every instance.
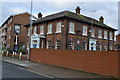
(35, 72)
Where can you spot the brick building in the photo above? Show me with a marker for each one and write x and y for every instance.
(69, 30)
(10, 26)
(117, 44)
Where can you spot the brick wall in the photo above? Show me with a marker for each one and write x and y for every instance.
(101, 62)
(118, 39)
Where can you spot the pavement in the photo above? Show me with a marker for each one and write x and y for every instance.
(51, 70)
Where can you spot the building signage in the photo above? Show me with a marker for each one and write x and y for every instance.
(17, 28)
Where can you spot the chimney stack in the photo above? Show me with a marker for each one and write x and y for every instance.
(78, 10)
(101, 19)
(39, 15)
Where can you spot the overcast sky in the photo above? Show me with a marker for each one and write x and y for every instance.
(109, 10)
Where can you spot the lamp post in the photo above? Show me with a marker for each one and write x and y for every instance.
(30, 32)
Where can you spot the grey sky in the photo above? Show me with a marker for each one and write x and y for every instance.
(107, 9)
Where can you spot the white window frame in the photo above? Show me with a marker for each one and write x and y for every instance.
(56, 44)
(105, 47)
(71, 27)
(105, 34)
(100, 33)
(100, 47)
(58, 27)
(35, 29)
(84, 30)
(93, 32)
(49, 30)
(71, 45)
(85, 46)
(48, 45)
(9, 37)
(41, 44)
(10, 27)
(28, 34)
(41, 29)
(110, 47)
(111, 36)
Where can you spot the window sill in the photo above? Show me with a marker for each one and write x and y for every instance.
(100, 37)
(49, 33)
(93, 36)
(58, 32)
(41, 33)
(71, 32)
(85, 35)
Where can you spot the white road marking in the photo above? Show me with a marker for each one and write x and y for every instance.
(35, 72)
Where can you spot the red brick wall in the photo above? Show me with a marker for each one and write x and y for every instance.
(118, 39)
(101, 62)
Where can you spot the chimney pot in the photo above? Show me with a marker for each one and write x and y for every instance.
(101, 19)
(39, 15)
(78, 10)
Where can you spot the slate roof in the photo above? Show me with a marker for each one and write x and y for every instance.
(69, 14)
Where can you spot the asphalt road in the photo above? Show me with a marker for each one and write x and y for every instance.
(11, 71)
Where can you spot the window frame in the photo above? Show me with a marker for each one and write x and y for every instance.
(49, 29)
(72, 27)
(85, 28)
(58, 27)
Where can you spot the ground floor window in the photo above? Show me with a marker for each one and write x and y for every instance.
(48, 44)
(84, 46)
(71, 45)
(58, 44)
(99, 47)
(41, 44)
(105, 47)
(110, 47)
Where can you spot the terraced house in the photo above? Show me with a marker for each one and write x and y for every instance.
(69, 30)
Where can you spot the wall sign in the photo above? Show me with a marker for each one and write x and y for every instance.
(17, 28)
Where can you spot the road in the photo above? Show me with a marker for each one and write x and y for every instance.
(13, 71)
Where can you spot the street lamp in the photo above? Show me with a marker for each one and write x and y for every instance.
(31, 22)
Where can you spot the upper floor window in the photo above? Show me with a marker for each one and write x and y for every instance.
(99, 33)
(28, 32)
(41, 29)
(71, 27)
(85, 30)
(58, 28)
(49, 28)
(105, 35)
(111, 36)
(35, 29)
(93, 32)
(10, 27)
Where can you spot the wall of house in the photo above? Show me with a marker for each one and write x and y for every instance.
(101, 62)
(118, 39)
(65, 36)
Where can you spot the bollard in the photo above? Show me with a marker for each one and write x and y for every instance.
(20, 55)
(7, 53)
(13, 54)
